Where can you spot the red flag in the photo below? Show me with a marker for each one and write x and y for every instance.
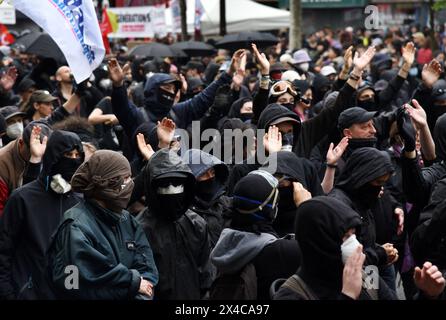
(6, 37)
(106, 28)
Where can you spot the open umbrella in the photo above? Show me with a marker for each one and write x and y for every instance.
(154, 50)
(41, 44)
(244, 39)
(194, 48)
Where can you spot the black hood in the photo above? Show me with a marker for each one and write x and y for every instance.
(58, 143)
(363, 166)
(440, 137)
(155, 109)
(320, 226)
(234, 111)
(275, 111)
(290, 165)
(320, 86)
(199, 162)
(160, 164)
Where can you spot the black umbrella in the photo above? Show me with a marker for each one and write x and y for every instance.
(243, 40)
(195, 48)
(154, 50)
(41, 44)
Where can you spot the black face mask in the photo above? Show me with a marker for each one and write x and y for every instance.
(172, 205)
(369, 104)
(287, 139)
(289, 106)
(368, 194)
(207, 190)
(354, 144)
(66, 167)
(246, 116)
(286, 199)
(166, 98)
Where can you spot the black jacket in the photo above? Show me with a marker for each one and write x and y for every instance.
(32, 214)
(180, 247)
(110, 251)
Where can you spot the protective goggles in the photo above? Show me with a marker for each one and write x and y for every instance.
(282, 87)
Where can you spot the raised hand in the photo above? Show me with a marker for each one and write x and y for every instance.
(429, 280)
(361, 62)
(348, 59)
(352, 274)
(37, 147)
(334, 154)
(165, 131)
(7, 80)
(409, 53)
(272, 140)
(236, 61)
(116, 73)
(431, 73)
(145, 149)
(262, 60)
(300, 194)
(417, 114)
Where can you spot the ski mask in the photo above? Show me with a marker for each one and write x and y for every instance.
(166, 98)
(369, 104)
(66, 167)
(349, 247)
(171, 199)
(14, 130)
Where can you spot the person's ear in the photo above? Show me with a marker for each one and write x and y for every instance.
(347, 133)
(36, 105)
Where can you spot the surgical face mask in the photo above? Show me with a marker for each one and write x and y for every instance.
(59, 185)
(304, 66)
(14, 130)
(349, 247)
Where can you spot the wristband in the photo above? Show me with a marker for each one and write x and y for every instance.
(333, 166)
(354, 77)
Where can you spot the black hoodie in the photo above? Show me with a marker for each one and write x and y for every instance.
(181, 247)
(321, 223)
(363, 166)
(32, 214)
(298, 170)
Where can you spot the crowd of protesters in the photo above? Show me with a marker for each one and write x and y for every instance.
(347, 203)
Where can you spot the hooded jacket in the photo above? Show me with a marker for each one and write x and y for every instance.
(110, 251)
(180, 247)
(211, 210)
(234, 111)
(183, 113)
(298, 170)
(363, 166)
(31, 216)
(320, 226)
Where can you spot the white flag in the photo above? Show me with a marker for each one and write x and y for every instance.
(73, 25)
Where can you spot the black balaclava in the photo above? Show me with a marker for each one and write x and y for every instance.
(171, 196)
(320, 225)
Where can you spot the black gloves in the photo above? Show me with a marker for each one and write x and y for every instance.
(406, 129)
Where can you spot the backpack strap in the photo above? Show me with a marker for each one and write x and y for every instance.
(296, 284)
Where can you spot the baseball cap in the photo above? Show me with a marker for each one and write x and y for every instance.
(439, 90)
(42, 96)
(284, 119)
(11, 111)
(328, 70)
(354, 115)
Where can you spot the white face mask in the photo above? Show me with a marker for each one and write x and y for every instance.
(304, 66)
(349, 247)
(59, 185)
(14, 130)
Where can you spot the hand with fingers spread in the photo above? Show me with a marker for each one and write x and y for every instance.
(334, 154)
(236, 62)
(399, 213)
(8, 79)
(352, 274)
(116, 73)
(262, 60)
(145, 149)
(37, 147)
(165, 131)
(300, 194)
(361, 62)
(272, 140)
(348, 60)
(417, 114)
(429, 280)
(408, 52)
(431, 73)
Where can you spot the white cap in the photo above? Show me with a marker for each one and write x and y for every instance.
(328, 70)
(290, 76)
(285, 58)
(349, 29)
